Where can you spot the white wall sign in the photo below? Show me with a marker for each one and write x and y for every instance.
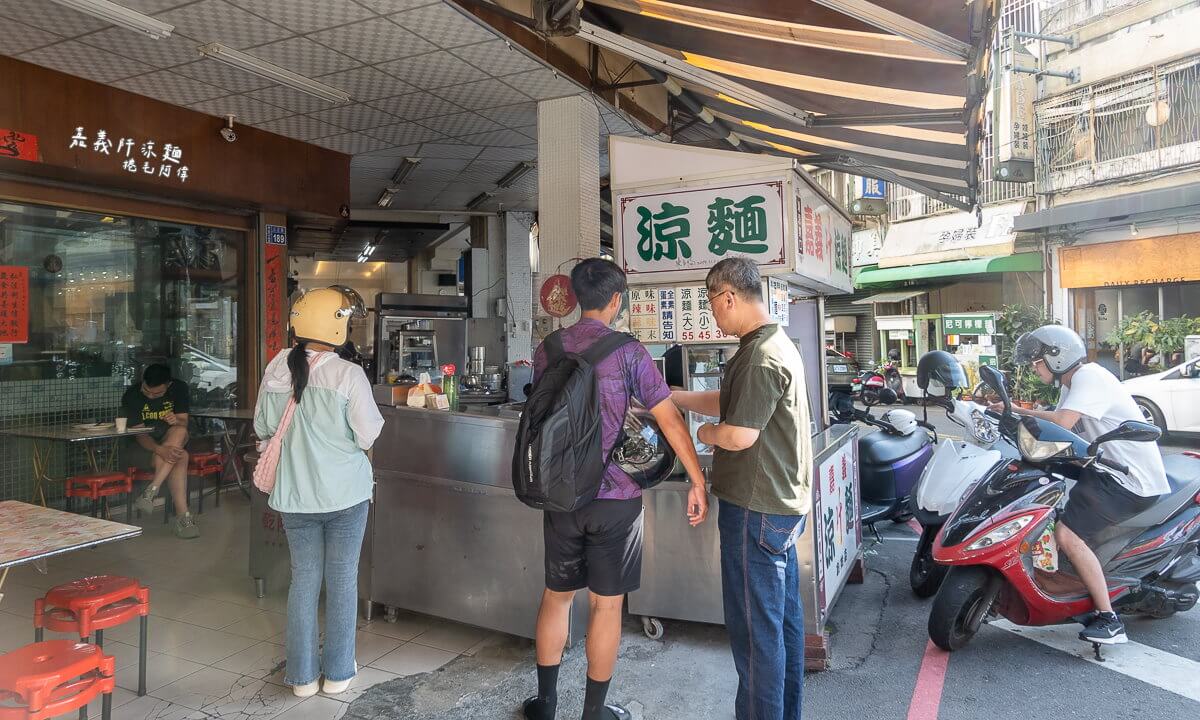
(689, 229)
(777, 301)
(865, 247)
(146, 157)
(835, 511)
(822, 240)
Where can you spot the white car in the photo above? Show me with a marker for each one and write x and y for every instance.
(1170, 399)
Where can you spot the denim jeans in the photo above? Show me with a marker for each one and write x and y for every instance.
(760, 580)
(323, 545)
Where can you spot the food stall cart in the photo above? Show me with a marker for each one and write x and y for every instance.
(668, 231)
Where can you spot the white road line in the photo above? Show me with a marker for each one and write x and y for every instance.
(1156, 667)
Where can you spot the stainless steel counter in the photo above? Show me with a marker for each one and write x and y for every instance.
(448, 538)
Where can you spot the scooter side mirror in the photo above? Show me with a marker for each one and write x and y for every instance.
(995, 380)
(1130, 431)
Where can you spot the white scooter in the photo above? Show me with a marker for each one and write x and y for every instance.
(955, 467)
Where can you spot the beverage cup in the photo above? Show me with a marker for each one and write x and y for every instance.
(122, 424)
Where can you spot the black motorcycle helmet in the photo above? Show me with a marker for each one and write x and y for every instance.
(938, 374)
(644, 453)
(894, 355)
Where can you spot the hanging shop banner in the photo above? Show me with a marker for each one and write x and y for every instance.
(18, 145)
(274, 300)
(14, 304)
(835, 507)
(969, 324)
(689, 229)
(823, 237)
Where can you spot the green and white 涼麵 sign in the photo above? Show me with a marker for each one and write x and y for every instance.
(695, 228)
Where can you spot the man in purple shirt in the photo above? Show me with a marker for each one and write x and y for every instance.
(599, 546)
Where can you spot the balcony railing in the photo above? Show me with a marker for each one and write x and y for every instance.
(1059, 17)
(1145, 122)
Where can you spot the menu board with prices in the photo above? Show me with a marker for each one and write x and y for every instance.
(696, 321)
(777, 301)
(14, 304)
(644, 320)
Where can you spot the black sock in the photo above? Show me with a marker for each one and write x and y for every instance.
(545, 704)
(593, 700)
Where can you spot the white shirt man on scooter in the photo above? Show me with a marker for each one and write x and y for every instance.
(1093, 402)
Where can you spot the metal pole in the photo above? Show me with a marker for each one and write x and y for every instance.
(1070, 42)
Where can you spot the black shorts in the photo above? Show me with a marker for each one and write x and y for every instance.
(598, 547)
(1098, 502)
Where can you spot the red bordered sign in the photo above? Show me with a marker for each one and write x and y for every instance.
(18, 145)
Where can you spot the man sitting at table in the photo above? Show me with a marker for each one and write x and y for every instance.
(162, 405)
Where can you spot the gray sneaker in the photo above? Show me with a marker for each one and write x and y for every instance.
(185, 528)
(145, 500)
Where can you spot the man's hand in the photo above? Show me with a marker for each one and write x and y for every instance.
(697, 507)
(171, 419)
(996, 407)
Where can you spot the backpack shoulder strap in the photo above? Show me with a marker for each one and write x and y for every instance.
(554, 347)
(606, 346)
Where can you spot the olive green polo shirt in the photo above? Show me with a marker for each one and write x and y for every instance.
(763, 388)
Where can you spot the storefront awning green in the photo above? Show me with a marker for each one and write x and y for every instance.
(870, 277)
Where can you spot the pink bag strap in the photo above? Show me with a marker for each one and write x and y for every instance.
(266, 471)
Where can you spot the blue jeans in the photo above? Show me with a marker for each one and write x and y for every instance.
(760, 580)
(323, 545)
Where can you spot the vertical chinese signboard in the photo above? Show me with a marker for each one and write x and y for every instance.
(823, 240)
(14, 304)
(644, 321)
(694, 228)
(274, 290)
(837, 530)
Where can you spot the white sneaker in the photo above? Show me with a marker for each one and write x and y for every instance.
(304, 691)
(337, 687)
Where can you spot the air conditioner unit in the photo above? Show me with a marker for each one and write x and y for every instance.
(1019, 171)
(868, 206)
(909, 208)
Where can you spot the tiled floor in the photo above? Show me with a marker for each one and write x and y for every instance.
(216, 651)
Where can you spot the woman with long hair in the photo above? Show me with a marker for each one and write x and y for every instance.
(323, 410)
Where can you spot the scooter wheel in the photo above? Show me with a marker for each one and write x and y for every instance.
(962, 602)
(924, 574)
(870, 398)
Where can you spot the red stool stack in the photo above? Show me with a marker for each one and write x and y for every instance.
(98, 488)
(47, 679)
(90, 606)
(204, 465)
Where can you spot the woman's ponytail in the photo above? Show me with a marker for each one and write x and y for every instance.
(298, 364)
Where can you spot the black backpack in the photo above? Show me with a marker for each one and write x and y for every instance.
(559, 462)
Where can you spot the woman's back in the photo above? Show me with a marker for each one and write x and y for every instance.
(323, 465)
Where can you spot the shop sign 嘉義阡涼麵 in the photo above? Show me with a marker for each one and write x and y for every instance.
(143, 156)
(695, 228)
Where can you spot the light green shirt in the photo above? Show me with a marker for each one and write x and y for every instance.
(323, 464)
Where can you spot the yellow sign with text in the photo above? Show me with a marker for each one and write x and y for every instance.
(1152, 261)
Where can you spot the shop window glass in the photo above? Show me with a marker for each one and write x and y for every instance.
(108, 296)
(1180, 300)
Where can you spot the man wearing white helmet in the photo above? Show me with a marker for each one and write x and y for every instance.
(1093, 401)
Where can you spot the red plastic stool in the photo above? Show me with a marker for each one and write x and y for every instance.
(204, 465)
(47, 679)
(98, 488)
(90, 606)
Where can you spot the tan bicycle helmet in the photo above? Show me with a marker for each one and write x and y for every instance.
(323, 316)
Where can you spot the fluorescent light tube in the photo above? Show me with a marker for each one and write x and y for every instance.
(271, 71)
(478, 200)
(121, 16)
(406, 168)
(385, 198)
(521, 170)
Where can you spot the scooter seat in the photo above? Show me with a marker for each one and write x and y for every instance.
(1183, 474)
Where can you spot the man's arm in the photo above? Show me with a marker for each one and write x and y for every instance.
(707, 402)
(729, 437)
(673, 428)
(1064, 418)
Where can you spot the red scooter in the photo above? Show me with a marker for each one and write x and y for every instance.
(883, 385)
(999, 542)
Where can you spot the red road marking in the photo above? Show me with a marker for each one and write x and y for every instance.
(927, 695)
(915, 526)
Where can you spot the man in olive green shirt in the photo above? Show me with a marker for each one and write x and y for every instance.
(762, 477)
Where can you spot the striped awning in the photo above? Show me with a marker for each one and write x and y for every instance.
(891, 89)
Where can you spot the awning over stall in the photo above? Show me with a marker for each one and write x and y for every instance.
(882, 277)
(891, 90)
(889, 297)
